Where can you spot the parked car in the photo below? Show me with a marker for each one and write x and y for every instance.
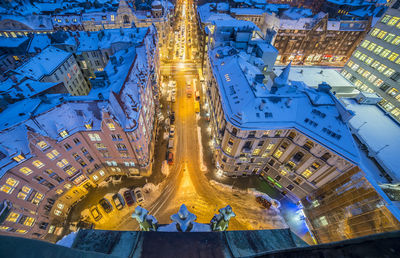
(118, 201)
(172, 131)
(95, 213)
(170, 158)
(172, 116)
(171, 143)
(265, 203)
(106, 205)
(129, 199)
(139, 196)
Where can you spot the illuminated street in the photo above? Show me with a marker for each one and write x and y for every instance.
(186, 182)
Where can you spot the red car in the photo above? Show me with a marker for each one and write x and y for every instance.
(129, 199)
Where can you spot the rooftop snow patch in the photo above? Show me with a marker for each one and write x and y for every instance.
(44, 63)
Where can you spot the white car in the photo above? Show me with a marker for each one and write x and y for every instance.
(139, 196)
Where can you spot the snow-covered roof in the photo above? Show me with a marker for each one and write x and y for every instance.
(12, 42)
(251, 105)
(89, 41)
(44, 63)
(313, 76)
(207, 14)
(33, 22)
(25, 88)
(39, 41)
(247, 11)
(297, 13)
(238, 24)
(379, 133)
(48, 7)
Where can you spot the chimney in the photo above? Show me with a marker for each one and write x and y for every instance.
(14, 79)
(30, 87)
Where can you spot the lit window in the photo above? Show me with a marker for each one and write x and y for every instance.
(396, 41)
(42, 145)
(111, 126)
(270, 146)
(256, 152)
(357, 54)
(57, 212)
(307, 173)
(100, 69)
(385, 53)
(37, 198)
(389, 37)
(371, 46)
(19, 158)
(59, 191)
(350, 63)
(389, 72)
(63, 133)
(21, 231)
(4, 228)
(101, 172)
(228, 149)
(378, 82)
(13, 217)
(393, 56)
(381, 34)
(355, 67)
(94, 137)
(23, 194)
(29, 221)
(393, 91)
(381, 68)
(369, 60)
(95, 178)
(372, 78)
(386, 18)
(26, 171)
(38, 164)
(71, 170)
(378, 50)
(88, 126)
(323, 221)
(366, 74)
(278, 154)
(393, 21)
(365, 43)
(60, 206)
(363, 57)
(9, 186)
(62, 163)
(67, 186)
(283, 172)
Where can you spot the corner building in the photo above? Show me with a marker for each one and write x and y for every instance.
(297, 139)
(67, 145)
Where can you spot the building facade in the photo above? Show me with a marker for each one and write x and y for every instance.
(298, 140)
(316, 40)
(375, 65)
(71, 144)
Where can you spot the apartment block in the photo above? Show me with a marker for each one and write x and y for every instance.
(375, 64)
(316, 39)
(55, 65)
(68, 145)
(297, 138)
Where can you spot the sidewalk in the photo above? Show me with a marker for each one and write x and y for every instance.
(289, 210)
